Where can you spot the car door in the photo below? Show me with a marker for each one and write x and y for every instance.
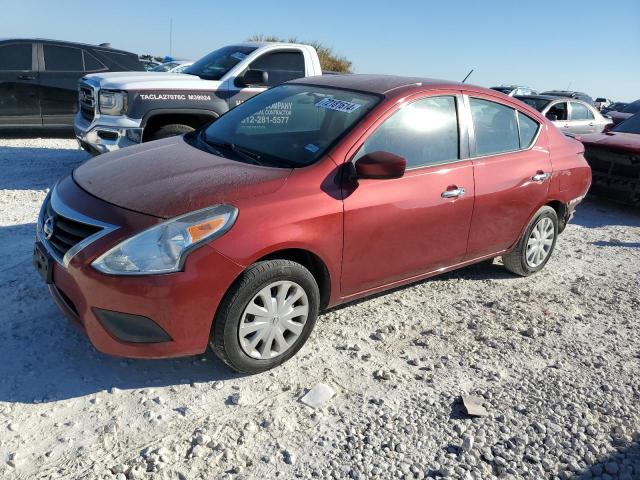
(581, 119)
(19, 88)
(398, 229)
(61, 67)
(512, 168)
(280, 66)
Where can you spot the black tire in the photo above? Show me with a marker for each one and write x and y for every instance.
(516, 261)
(224, 340)
(172, 130)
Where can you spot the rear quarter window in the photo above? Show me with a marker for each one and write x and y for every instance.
(62, 59)
(528, 129)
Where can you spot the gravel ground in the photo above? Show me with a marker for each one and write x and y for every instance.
(556, 358)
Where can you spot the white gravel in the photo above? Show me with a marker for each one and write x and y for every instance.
(556, 358)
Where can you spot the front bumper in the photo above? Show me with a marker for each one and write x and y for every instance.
(102, 136)
(181, 305)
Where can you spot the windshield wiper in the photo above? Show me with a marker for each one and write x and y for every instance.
(248, 155)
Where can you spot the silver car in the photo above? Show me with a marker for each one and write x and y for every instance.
(570, 115)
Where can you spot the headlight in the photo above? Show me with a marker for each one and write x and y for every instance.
(163, 247)
(113, 103)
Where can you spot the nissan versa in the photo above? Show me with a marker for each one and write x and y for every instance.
(311, 194)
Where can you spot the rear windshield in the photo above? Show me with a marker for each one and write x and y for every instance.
(215, 65)
(537, 103)
(630, 125)
(286, 126)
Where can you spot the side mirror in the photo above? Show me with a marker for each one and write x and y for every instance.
(380, 165)
(552, 117)
(253, 77)
(607, 128)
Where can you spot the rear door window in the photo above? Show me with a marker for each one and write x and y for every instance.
(559, 110)
(424, 132)
(495, 127)
(62, 59)
(281, 66)
(15, 57)
(580, 112)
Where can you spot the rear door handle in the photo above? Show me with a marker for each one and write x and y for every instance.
(453, 193)
(26, 77)
(540, 176)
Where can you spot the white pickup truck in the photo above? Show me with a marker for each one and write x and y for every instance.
(121, 109)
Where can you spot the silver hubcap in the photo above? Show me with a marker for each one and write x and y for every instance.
(540, 242)
(273, 320)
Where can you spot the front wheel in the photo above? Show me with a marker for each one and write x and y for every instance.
(172, 130)
(266, 316)
(535, 247)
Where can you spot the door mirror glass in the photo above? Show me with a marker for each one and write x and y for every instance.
(253, 78)
(380, 165)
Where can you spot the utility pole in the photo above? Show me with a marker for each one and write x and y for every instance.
(171, 37)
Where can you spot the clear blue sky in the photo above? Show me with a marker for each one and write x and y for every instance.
(589, 45)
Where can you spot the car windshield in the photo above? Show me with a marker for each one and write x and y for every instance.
(537, 103)
(165, 67)
(630, 125)
(633, 107)
(286, 126)
(215, 65)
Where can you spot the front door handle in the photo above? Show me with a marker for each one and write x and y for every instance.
(453, 193)
(26, 77)
(540, 176)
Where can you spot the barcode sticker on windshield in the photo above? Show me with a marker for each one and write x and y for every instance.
(338, 105)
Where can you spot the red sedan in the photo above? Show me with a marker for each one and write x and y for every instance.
(312, 194)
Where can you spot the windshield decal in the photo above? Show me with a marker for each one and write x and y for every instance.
(311, 147)
(338, 105)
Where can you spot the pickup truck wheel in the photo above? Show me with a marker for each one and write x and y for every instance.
(535, 247)
(172, 130)
(266, 316)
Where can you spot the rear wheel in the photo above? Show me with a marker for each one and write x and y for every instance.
(266, 316)
(172, 130)
(535, 247)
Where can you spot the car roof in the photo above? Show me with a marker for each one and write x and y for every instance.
(568, 93)
(63, 42)
(542, 97)
(379, 84)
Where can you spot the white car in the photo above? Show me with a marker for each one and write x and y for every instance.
(174, 66)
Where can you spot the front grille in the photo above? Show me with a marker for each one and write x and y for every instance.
(87, 102)
(616, 175)
(66, 232)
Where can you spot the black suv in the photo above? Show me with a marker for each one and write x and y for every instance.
(39, 79)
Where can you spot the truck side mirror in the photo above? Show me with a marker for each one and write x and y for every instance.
(253, 78)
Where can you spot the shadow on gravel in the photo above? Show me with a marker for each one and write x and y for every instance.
(596, 212)
(486, 270)
(602, 243)
(624, 464)
(37, 133)
(43, 358)
(36, 168)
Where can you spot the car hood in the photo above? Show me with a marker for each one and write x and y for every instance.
(613, 140)
(156, 80)
(169, 177)
(617, 117)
